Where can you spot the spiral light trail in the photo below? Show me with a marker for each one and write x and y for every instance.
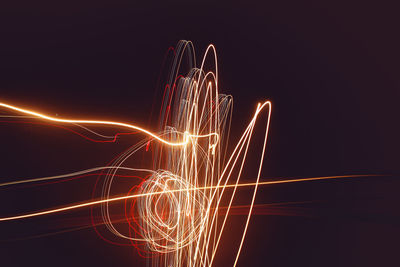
(172, 216)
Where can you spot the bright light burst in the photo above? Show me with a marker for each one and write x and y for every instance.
(173, 215)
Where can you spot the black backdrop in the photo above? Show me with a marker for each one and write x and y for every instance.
(330, 69)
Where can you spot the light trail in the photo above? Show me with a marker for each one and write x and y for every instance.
(172, 216)
(186, 135)
(78, 125)
(41, 179)
(93, 203)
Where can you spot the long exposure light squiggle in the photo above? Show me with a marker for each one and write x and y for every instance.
(173, 215)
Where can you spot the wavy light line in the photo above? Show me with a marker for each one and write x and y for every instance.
(186, 135)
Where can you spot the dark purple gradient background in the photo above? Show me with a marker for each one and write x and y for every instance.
(330, 69)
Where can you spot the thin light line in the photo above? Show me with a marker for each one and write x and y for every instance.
(93, 203)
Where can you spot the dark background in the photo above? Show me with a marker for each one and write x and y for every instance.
(330, 69)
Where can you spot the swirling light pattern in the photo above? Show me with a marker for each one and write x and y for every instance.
(172, 216)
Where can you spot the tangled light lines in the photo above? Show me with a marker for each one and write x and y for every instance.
(172, 216)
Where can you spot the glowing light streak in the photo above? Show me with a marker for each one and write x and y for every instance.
(97, 202)
(186, 135)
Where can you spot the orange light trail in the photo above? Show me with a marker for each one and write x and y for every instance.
(93, 203)
(186, 135)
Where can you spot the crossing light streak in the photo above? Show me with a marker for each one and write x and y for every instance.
(93, 203)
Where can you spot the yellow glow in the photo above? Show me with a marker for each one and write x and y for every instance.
(186, 135)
